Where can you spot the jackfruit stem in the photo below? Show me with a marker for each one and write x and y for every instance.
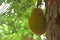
(39, 4)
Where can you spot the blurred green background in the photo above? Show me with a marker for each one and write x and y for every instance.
(14, 16)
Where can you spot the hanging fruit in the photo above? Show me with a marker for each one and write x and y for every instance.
(37, 21)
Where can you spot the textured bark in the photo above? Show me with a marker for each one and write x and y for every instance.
(52, 19)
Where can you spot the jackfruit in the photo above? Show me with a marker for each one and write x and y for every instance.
(37, 21)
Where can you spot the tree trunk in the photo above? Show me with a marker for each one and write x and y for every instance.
(52, 19)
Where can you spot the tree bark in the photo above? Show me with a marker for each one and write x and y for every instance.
(52, 19)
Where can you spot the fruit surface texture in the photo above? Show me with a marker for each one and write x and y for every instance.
(37, 21)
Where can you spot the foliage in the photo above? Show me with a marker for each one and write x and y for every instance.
(13, 25)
